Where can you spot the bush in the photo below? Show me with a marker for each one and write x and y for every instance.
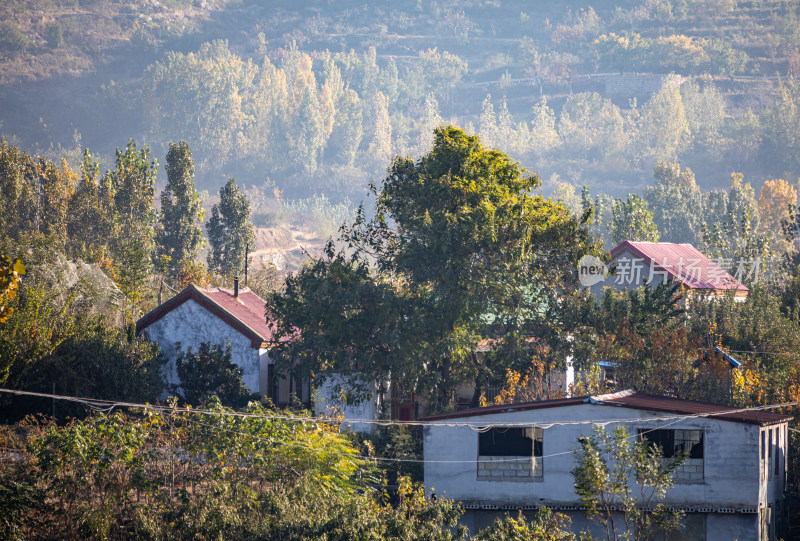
(55, 36)
(210, 372)
(175, 475)
(12, 38)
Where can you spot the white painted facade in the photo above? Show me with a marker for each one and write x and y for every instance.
(328, 401)
(191, 324)
(726, 494)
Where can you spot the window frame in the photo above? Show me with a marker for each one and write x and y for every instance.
(672, 437)
(488, 444)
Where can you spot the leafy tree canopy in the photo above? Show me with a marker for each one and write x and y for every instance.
(229, 230)
(461, 250)
(210, 372)
(180, 236)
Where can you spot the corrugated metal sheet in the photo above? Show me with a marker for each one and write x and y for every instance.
(682, 262)
(633, 400)
(247, 308)
(245, 313)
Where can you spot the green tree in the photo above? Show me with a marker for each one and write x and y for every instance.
(347, 128)
(191, 475)
(442, 71)
(463, 251)
(230, 231)
(91, 213)
(545, 526)
(644, 334)
(132, 182)
(36, 194)
(705, 113)
(180, 235)
(544, 136)
(632, 220)
(199, 93)
(430, 120)
(99, 360)
(676, 203)
(614, 473)
(210, 372)
(306, 129)
(599, 210)
(488, 123)
(735, 234)
(10, 276)
(564, 193)
(783, 124)
(592, 126)
(53, 337)
(380, 148)
(663, 123)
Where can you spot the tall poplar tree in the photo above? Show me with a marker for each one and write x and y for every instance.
(633, 221)
(180, 235)
(229, 231)
(133, 184)
(91, 213)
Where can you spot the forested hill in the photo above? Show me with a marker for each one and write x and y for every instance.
(302, 98)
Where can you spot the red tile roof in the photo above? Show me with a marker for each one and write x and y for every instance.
(244, 313)
(682, 262)
(633, 400)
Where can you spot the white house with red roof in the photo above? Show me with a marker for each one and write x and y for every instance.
(220, 316)
(634, 264)
(501, 459)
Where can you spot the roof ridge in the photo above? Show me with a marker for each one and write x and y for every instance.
(613, 396)
(241, 319)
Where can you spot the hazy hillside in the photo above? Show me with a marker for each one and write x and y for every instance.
(315, 97)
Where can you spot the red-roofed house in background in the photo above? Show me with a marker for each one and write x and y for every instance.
(641, 263)
(219, 316)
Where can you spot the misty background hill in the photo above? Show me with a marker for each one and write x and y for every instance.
(306, 102)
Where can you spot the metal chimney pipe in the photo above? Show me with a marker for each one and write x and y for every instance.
(236, 286)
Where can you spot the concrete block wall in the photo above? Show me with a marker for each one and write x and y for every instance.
(730, 476)
(509, 468)
(691, 471)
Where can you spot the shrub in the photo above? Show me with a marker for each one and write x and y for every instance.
(12, 38)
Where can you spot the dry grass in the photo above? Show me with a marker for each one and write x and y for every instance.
(92, 32)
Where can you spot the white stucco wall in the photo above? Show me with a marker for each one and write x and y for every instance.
(772, 472)
(190, 325)
(731, 470)
(326, 398)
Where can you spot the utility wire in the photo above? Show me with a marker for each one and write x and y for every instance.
(107, 405)
(100, 404)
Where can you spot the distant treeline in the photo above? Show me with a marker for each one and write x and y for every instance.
(328, 123)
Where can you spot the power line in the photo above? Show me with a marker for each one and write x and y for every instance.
(108, 405)
(764, 352)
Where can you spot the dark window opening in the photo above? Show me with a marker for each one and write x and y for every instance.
(675, 442)
(510, 441)
(769, 449)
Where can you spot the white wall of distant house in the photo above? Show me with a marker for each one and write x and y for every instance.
(189, 325)
(329, 401)
(733, 473)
